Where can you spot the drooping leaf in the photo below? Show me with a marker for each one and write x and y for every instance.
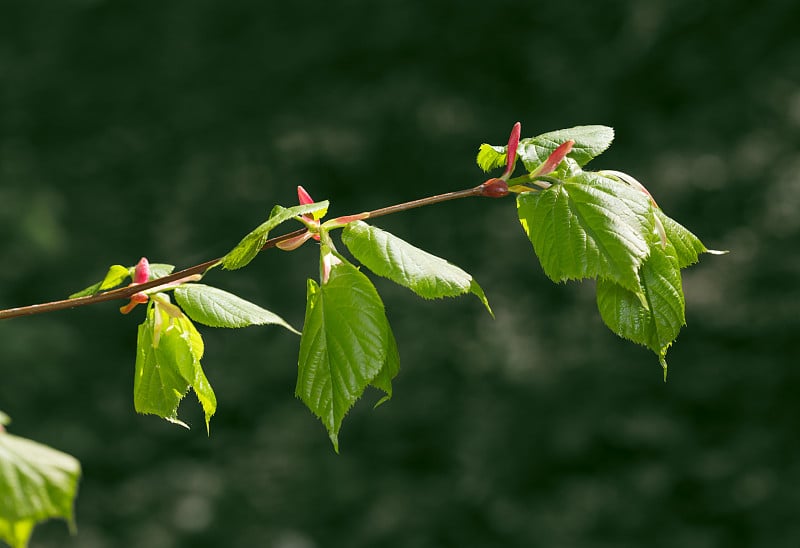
(169, 349)
(36, 483)
(656, 326)
(246, 250)
(427, 275)
(590, 141)
(217, 308)
(389, 371)
(491, 157)
(589, 227)
(115, 276)
(343, 347)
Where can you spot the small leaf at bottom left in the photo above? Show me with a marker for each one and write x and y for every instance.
(36, 483)
(168, 355)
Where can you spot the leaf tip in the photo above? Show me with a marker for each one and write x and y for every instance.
(334, 440)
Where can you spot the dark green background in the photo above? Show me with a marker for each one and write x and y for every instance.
(169, 129)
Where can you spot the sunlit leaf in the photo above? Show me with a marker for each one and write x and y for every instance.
(246, 250)
(115, 276)
(427, 275)
(491, 157)
(217, 308)
(590, 141)
(169, 349)
(657, 325)
(589, 227)
(344, 345)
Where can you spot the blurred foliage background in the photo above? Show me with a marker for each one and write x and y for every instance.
(171, 129)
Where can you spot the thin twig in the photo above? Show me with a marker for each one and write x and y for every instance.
(126, 292)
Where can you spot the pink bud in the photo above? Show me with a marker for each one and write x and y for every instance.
(494, 188)
(142, 271)
(329, 260)
(511, 150)
(303, 196)
(555, 158)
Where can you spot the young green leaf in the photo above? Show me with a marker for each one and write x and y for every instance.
(588, 227)
(427, 275)
(36, 483)
(217, 308)
(169, 349)
(344, 345)
(246, 250)
(656, 326)
(590, 141)
(115, 276)
(491, 157)
(4, 419)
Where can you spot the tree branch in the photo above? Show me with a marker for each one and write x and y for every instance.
(126, 292)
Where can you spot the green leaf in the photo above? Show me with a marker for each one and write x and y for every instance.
(427, 275)
(115, 276)
(389, 371)
(169, 349)
(590, 141)
(657, 325)
(157, 270)
(688, 247)
(5, 420)
(587, 227)
(246, 250)
(344, 345)
(36, 483)
(491, 157)
(217, 308)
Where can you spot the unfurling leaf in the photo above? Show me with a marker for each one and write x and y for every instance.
(491, 157)
(36, 483)
(346, 346)
(115, 276)
(217, 308)
(427, 275)
(169, 349)
(246, 250)
(590, 142)
(588, 227)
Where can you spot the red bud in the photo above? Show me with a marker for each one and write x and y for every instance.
(555, 158)
(511, 150)
(303, 196)
(494, 188)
